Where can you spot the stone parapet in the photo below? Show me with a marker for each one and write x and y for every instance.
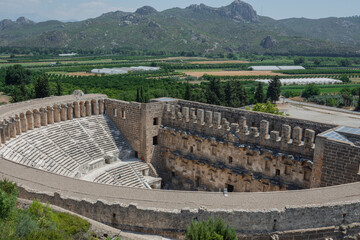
(295, 141)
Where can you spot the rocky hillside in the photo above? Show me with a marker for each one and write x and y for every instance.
(198, 28)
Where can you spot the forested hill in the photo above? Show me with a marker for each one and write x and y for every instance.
(198, 28)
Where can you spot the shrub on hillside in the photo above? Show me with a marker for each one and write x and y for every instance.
(210, 230)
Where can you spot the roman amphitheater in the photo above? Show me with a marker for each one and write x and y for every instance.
(155, 167)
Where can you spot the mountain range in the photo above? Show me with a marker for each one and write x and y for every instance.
(199, 28)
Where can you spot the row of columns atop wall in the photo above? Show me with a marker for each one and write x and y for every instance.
(45, 116)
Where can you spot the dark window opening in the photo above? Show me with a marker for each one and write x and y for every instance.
(197, 181)
(277, 172)
(156, 121)
(253, 124)
(191, 149)
(155, 140)
(107, 161)
(173, 174)
(136, 154)
(230, 159)
(230, 187)
(114, 112)
(114, 215)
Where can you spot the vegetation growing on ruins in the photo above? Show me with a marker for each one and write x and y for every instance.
(38, 221)
(267, 107)
(210, 230)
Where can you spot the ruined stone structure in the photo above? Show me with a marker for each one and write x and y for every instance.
(105, 158)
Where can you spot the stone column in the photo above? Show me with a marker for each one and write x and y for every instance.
(18, 125)
(88, 108)
(94, 107)
(264, 129)
(37, 120)
(30, 120)
(186, 114)
(50, 115)
(2, 133)
(217, 120)
(309, 138)
(76, 110)
(101, 106)
(244, 129)
(44, 117)
(297, 136)
(82, 109)
(70, 111)
(12, 127)
(23, 122)
(7, 130)
(63, 112)
(57, 117)
(200, 116)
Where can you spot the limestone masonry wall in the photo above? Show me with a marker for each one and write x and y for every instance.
(296, 141)
(254, 118)
(184, 153)
(268, 222)
(336, 163)
(138, 122)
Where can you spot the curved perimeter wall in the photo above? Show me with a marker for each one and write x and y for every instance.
(314, 213)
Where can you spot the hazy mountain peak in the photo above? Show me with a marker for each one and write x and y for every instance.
(146, 10)
(237, 10)
(24, 20)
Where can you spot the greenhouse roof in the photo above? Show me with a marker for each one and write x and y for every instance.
(302, 81)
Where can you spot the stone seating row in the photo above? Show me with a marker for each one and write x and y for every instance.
(129, 174)
(64, 147)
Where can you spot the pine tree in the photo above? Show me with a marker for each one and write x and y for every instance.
(259, 94)
(214, 93)
(58, 88)
(240, 94)
(187, 95)
(142, 95)
(274, 90)
(358, 106)
(42, 88)
(228, 92)
(137, 95)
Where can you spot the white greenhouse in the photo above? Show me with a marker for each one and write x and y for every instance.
(303, 81)
(123, 70)
(275, 68)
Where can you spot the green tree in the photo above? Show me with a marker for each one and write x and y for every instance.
(210, 230)
(347, 96)
(310, 90)
(259, 93)
(358, 104)
(345, 62)
(58, 88)
(228, 95)
(317, 61)
(42, 88)
(187, 95)
(240, 94)
(345, 79)
(16, 75)
(274, 89)
(299, 60)
(214, 93)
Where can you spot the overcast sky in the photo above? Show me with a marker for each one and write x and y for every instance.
(39, 10)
